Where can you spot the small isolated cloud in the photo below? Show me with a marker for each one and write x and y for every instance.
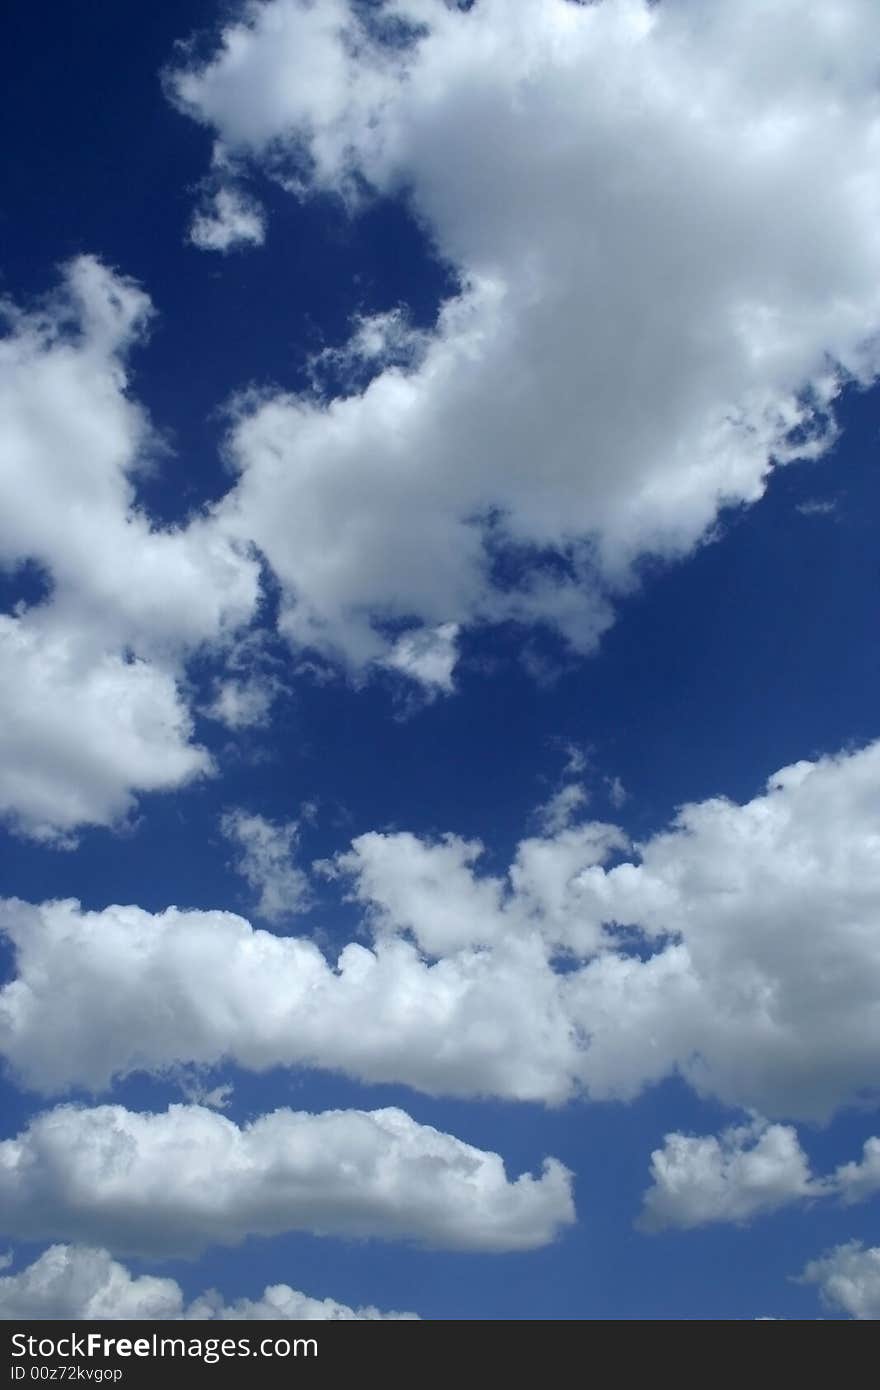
(243, 704)
(849, 1279)
(816, 507)
(178, 1182)
(427, 656)
(227, 221)
(265, 860)
(197, 1092)
(75, 1282)
(617, 793)
(744, 1172)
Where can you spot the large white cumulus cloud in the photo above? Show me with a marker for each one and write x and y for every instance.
(132, 990)
(174, 1183)
(80, 1283)
(666, 226)
(90, 707)
(755, 976)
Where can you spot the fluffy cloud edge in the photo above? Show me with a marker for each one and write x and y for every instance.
(703, 951)
(81, 1283)
(94, 711)
(176, 1182)
(848, 1278)
(647, 430)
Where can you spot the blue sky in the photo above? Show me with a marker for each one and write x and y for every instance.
(440, 446)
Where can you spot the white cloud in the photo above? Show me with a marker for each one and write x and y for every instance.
(249, 684)
(108, 993)
(74, 1283)
(617, 793)
(552, 884)
(561, 809)
(666, 228)
(816, 507)
(243, 704)
(746, 1171)
(72, 444)
(763, 916)
(848, 1278)
(427, 656)
(82, 729)
(576, 760)
(193, 1087)
(70, 1282)
(856, 1181)
(90, 708)
(736, 948)
(280, 1301)
(429, 890)
(228, 220)
(377, 341)
(174, 1183)
(647, 308)
(265, 860)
